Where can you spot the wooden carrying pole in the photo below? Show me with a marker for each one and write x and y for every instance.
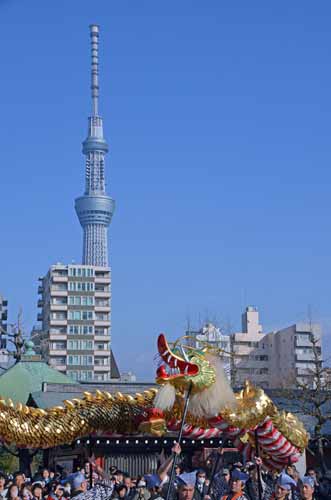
(179, 438)
(258, 467)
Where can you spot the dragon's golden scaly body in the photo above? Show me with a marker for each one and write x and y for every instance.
(102, 412)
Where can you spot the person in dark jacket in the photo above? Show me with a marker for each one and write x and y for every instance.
(201, 489)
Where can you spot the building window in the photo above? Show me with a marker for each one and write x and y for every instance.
(59, 287)
(59, 300)
(80, 345)
(86, 375)
(60, 272)
(101, 361)
(81, 272)
(87, 315)
(87, 330)
(101, 288)
(81, 315)
(74, 360)
(76, 315)
(59, 315)
(57, 330)
(101, 331)
(101, 346)
(58, 346)
(58, 361)
(80, 330)
(81, 286)
(85, 300)
(246, 343)
(87, 360)
(101, 317)
(102, 303)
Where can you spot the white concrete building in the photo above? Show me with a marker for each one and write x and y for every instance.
(76, 321)
(250, 358)
(213, 336)
(274, 360)
(292, 356)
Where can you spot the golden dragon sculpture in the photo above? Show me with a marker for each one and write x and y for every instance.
(213, 410)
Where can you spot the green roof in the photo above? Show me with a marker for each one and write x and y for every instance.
(28, 376)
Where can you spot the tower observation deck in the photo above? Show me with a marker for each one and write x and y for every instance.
(95, 208)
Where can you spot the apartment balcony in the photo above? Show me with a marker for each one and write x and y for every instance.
(102, 368)
(102, 308)
(102, 272)
(101, 336)
(57, 352)
(39, 317)
(58, 293)
(59, 279)
(303, 371)
(101, 352)
(303, 342)
(102, 322)
(102, 280)
(307, 357)
(58, 331)
(57, 336)
(58, 322)
(40, 289)
(58, 307)
(102, 294)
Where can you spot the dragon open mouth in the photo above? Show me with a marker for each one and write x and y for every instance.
(174, 366)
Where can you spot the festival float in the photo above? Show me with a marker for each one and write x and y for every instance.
(194, 399)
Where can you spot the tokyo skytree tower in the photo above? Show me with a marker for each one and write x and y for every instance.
(95, 208)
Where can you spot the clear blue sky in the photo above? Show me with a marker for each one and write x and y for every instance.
(218, 116)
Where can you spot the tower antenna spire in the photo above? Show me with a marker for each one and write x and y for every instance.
(94, 33)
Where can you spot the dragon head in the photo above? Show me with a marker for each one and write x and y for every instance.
(183, 366)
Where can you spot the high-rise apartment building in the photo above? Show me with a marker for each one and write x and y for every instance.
(75, 321)
(75, 316)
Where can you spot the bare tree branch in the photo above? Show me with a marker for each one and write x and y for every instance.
(311, 394)
(8, 450)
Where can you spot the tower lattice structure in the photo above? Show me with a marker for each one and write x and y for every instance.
(95, 208)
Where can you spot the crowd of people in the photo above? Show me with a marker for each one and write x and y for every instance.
(232, 482)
